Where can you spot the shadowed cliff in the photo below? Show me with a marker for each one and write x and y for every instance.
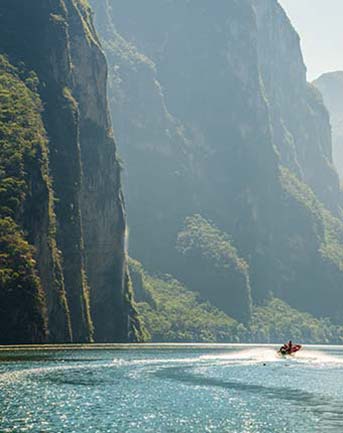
(331, 87)
(71, 213)
(215, 118)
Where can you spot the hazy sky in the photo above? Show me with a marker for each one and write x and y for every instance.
(320, 26)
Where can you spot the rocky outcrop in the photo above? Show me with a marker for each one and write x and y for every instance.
(331, 87)
(57, 41)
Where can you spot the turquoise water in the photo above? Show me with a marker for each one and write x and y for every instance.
(180, 390)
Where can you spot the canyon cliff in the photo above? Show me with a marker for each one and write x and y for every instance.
(62, 209)
(226, 148)
(229, 179)
(331, 87)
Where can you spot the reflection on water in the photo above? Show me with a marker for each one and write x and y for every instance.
(181, 390)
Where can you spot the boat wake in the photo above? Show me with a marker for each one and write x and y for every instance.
(316, 357)
(240, 357)
(269, 355)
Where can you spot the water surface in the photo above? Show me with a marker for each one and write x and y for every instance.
(201, 389)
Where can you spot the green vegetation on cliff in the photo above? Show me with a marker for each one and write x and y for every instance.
(276, 321)
(329, 228)
(214, 267)
(171, 312)
(85, 12)
(214, 245)
(23, 151)
(22, 138)
(55, 122)
(23, 316)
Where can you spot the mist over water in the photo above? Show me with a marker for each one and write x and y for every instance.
(244, 389)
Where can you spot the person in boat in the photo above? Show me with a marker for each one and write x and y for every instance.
(290, 348)
(287, 348)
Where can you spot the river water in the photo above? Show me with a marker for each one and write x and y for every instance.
(176, 389)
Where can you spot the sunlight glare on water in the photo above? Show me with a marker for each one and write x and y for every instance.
(227, 389)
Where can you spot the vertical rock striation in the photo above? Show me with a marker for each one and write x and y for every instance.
(82, 264)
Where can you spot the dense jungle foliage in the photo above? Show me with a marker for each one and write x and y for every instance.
(276, 321)
(171, 312)
(23, 151)
(210, 260)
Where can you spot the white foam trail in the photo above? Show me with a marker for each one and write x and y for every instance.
(253, 355)
(15, 375)
(158, 361)
(250, 356)
(262, 355)
(318, 357)
(269, 355)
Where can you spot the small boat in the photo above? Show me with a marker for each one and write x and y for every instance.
(289, 349)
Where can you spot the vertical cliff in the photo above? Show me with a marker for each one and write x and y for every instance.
(299, 119)
(331, 87)
(254, 155)
(166, 158)
(56, 40)
(152, 141)
(102, 208)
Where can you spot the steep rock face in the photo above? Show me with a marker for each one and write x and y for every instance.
(102, 210)
(174, 158)
(299, 120)
(152, 144)
(331, 87)
(56, 40)
(255, 136)
(300, 130)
